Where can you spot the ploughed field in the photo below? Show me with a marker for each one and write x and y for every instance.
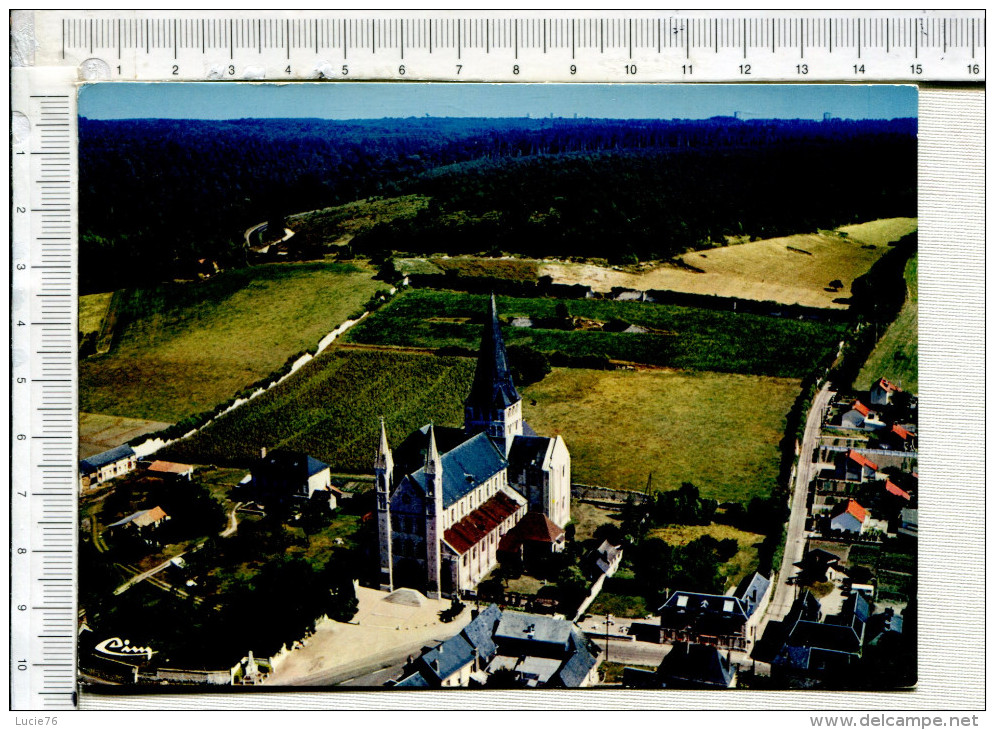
(673, 336)
(99, 432)
(183, 348)
(789, 269)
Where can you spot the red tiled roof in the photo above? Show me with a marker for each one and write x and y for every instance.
(887, 385)
(481, 522)
(533, 527)
(861, 408)
(860, 459)
(856, 510)
(150, 517)
(170, 467)
(899, 431)
(537, 527)
(896, 490)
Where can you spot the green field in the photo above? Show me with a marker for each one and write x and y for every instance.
(339, 224)
(719, 431)
(678, 337)
(896, 356)
(331, 409)
(183, 348)
(92, 310)
(742, 564)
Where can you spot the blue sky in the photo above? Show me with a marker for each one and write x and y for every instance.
(338, 100)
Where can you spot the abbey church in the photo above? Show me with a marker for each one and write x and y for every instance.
(448, 499)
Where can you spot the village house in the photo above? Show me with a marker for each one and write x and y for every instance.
(142, 522)
(812, 645)
(820, 565)
(853, 466)
(862, 417)
(539, 651)
(446, 497)
(686, 666)
(909, 522)
(287, 476)
(882, 392)
(169, 469)
(848, 517)
(718, 620)
(95, 470)
(897, 438)
(603, 561)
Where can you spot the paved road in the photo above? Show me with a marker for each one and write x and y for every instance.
(141, 576)
(377, 677)
(794, 546)
(359, 673)
(636, 653)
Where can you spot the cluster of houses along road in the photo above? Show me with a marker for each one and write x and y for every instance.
(863, 504)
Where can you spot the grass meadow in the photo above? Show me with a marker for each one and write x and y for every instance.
(719, 431)
(339, 224)
(183, 348)
(896, 356)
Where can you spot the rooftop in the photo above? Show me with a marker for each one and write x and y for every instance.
(290, 463)
(142, 518)
(859, 458)
(169, 467)
(464, 468)
(107, 457)
(481, 522)
(533, 628)
(697, 665)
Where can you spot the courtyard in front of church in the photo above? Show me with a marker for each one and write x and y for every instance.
(386, 630)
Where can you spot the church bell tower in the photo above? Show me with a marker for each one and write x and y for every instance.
(433, 516)
(383, 467)
(494, 406)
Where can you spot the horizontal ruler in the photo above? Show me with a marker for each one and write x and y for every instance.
(518, 46)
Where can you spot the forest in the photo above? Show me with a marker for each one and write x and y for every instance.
(157, 195)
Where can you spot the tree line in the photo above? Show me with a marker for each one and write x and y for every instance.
(157, 195)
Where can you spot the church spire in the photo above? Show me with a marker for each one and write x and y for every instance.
(432, 461)
(492, 383)
(384, 460)
(494, 406)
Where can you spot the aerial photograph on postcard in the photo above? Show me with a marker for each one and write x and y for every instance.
(419, 386)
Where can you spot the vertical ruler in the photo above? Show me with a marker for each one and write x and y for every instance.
(43, 385)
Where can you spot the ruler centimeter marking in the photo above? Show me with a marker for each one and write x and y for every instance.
(709, 46)
(43, 445)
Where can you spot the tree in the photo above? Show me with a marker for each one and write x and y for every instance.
(528, 365)
(573, 587)
(652, 562)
